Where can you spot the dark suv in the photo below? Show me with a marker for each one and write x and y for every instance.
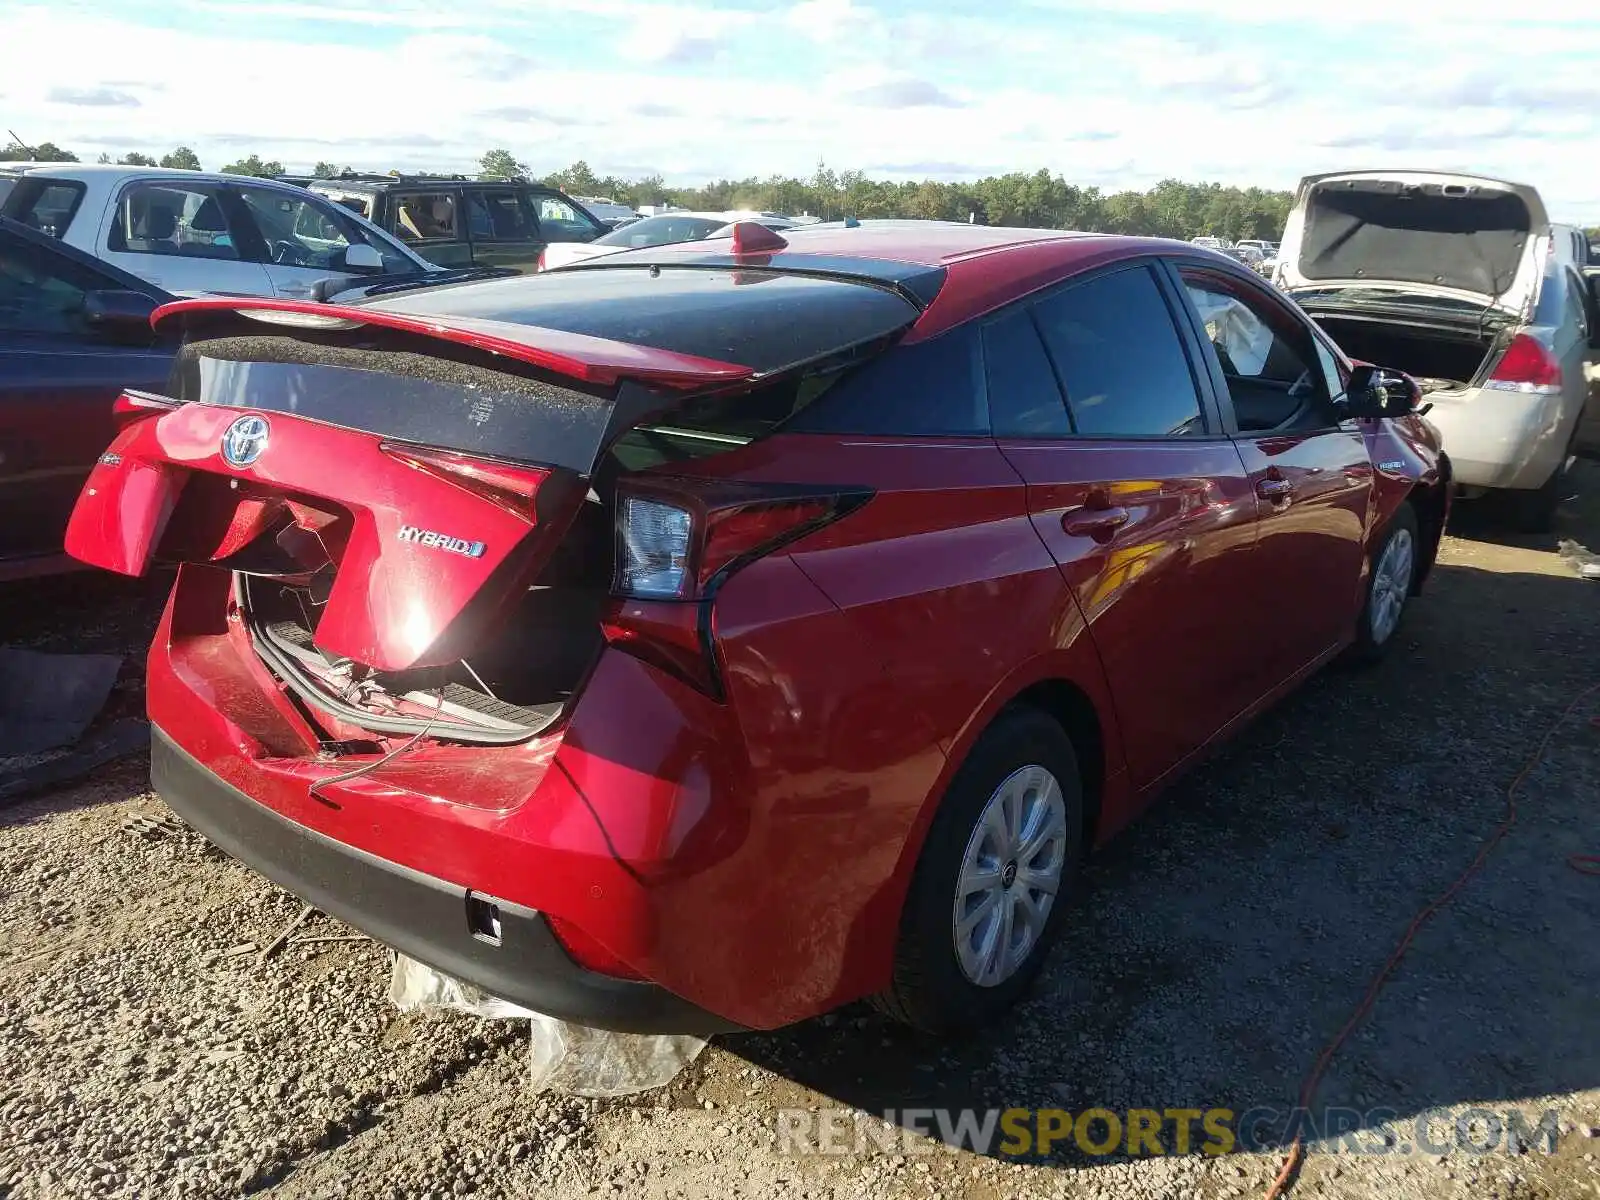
(455, 221)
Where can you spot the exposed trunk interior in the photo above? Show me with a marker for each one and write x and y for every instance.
(1438, 359)
(528, 661)
(520, 673)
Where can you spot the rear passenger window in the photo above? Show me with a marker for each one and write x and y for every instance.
(1119, 357)
(926, 389)
(1024, 398)
(172, 218)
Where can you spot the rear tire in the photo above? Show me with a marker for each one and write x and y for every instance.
(968, 949)
(1390, 581)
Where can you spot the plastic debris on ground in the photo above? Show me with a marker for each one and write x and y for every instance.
(1585, 562)
(571, 1059)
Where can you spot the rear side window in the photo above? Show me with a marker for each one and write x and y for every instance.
(499, 216)
(427, 217)
(1024, 398)
(47, 205)
(1118, 354)
(927, 389)
(173, 219)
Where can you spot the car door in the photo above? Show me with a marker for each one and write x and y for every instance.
(503, 228)
(431, 223)
(178, 234)
(306, 238)
(59, 376)
(1139, 496)
(1310, 469)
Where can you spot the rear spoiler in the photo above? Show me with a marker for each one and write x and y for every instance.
(588, 359)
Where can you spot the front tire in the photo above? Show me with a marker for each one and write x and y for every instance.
(994, 876)
(1390, 582)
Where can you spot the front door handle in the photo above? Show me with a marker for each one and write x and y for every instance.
(1097, 523)
(1276, 490)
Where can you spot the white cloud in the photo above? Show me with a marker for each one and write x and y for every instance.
(833, 21)
(696, 92)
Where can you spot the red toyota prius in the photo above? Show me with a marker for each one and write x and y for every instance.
(705, 636)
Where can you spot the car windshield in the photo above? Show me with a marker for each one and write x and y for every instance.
(660, 231)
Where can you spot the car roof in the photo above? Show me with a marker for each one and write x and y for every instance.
(85, 172)
(377, 183)
(955, 272)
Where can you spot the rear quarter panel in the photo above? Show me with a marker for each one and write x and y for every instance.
(934, 606)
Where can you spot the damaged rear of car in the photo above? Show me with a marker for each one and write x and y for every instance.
(1462, 282)
(444, 606)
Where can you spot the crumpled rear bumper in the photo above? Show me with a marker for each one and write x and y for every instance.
(420, 915)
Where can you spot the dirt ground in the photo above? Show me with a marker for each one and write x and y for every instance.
(149, 1052)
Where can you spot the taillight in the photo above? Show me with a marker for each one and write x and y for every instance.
(511, 486)
(672, 547)
(680, 540)
(539, 266)
(1526, 366)
(653, 543)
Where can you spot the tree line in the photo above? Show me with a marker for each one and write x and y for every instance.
(1173, 208)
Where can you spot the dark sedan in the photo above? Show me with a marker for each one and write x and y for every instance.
(74, 332)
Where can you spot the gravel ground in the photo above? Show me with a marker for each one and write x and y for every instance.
(149, 1051)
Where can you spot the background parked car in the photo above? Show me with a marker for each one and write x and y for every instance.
(1267, 249)
(1463, 282)
(607, 212)
(189, 232)
(454, 221)
(74, 332)
(653, 231)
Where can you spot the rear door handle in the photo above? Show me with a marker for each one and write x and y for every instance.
(1274, 489)
(1098, 523)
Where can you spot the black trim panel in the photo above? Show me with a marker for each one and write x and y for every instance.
(419, 915)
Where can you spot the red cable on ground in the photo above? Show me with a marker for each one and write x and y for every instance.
(1589, 864)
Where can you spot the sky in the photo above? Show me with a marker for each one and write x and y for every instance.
(1116, 95)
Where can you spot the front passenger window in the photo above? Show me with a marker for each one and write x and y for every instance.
(1268, 362)
(34, 299)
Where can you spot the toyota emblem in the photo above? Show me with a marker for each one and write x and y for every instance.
(245, 440)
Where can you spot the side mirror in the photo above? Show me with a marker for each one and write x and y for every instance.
(119, 313)
(1379, 392)
(361, 257)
